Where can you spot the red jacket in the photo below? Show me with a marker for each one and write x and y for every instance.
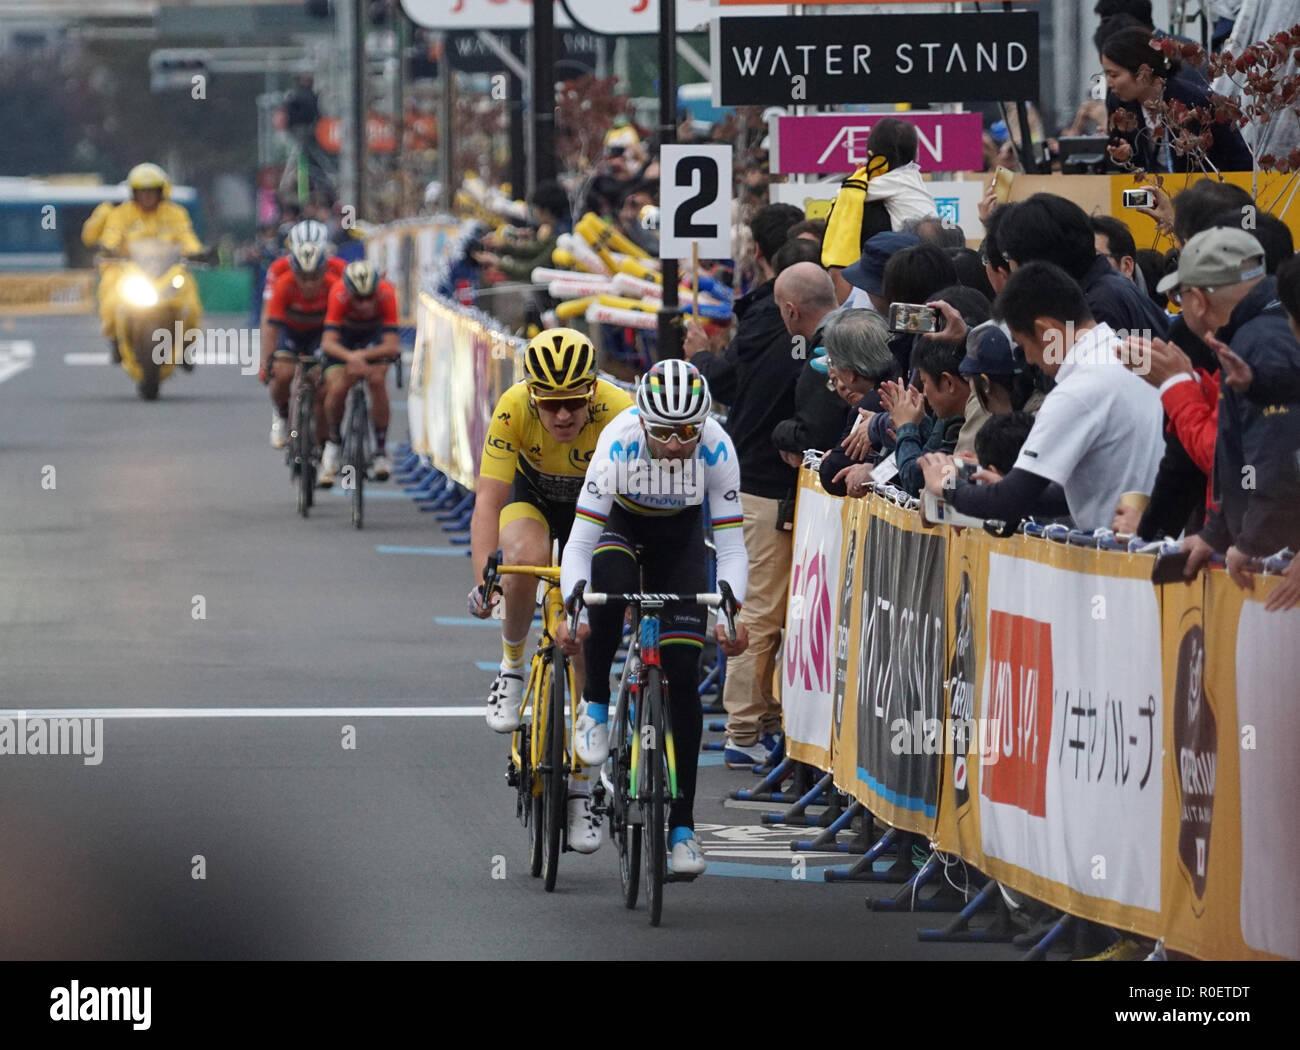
(1193, 411)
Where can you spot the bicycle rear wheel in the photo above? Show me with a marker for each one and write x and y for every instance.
(555, 785)
(655, 832)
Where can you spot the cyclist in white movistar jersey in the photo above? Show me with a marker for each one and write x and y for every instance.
(653, 469)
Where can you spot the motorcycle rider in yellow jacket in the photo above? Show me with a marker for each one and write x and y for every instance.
(148, 214)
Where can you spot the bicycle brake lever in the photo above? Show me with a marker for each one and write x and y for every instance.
(728, 608)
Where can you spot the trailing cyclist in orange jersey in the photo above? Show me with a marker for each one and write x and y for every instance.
(541, 439)
(291, 328)
(360, 342)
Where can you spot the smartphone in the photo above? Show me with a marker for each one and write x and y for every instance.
(1139, 199)
(1169, 568)
(1002, 180)
(913, 317)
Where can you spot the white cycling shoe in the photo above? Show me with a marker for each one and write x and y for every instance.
(687, 858)
(504, 701)
(380, 468)
(330, 461)
(279, 431)
(590, 738)
(585, 827)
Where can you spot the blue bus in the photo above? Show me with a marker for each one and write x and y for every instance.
(40, 220)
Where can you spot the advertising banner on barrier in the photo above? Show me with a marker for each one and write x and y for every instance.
(1111, 748)
(1231, 849)
(1072, 683)
(465, 366)
(807, 659)
(895, 680)
(856, 524)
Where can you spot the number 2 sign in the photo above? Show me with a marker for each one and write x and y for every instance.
(695, 201)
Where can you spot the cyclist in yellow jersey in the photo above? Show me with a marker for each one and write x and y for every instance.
(543, 432)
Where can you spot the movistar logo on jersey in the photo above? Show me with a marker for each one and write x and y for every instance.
(618, 451)
(711, 456)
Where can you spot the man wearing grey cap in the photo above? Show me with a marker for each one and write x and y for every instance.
(1228, 300)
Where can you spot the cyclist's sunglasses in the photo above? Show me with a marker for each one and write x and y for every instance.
(685, 433)
(555, 404)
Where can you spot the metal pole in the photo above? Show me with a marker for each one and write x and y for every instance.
(398, 18)
(543, 113)
(357, 104)
(445, 166)
(515, 123)
(669, 331)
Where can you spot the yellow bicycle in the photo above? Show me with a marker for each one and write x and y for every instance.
(541, 751)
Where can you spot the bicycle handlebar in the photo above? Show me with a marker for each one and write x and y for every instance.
(722, 599)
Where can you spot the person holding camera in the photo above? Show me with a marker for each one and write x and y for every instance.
(1098, 432)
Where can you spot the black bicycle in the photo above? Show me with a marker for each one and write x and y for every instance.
(640, 777)
(356, 448)
(301, 451)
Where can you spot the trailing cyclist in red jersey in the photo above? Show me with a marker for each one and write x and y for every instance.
(360, 322)
(289, 306)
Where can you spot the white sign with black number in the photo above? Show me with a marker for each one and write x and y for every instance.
(695, 201)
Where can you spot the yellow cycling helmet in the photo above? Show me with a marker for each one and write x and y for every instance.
(559, 362)
(149, 177)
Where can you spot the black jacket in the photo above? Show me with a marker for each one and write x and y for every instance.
(755, 376)
(818, 414)
(835, 460)
(1118, 302)
(1227, 153)
(1178, 498)
(1256, 474)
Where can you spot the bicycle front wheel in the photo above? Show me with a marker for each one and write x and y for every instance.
(555, 785)
(656, 833)
(356, 454)
(627, 836)
(302, 445)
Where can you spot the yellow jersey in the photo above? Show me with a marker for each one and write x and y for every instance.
(518, 443)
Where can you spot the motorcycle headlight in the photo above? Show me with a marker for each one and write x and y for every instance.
(138, 290)
(178, 281)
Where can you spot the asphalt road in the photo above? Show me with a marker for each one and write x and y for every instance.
(119, 522)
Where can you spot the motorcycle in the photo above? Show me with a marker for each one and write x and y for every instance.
(156, 304)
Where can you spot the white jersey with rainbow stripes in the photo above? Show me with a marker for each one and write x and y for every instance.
(622, 470)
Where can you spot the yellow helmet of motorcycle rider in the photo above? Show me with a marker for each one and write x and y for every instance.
(149, 177)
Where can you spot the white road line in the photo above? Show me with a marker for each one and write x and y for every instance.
(92, 357)
(15, 356)
(243, 712)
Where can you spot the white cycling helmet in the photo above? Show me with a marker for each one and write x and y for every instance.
(309, 231)
(308, 259)
(673, 393)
